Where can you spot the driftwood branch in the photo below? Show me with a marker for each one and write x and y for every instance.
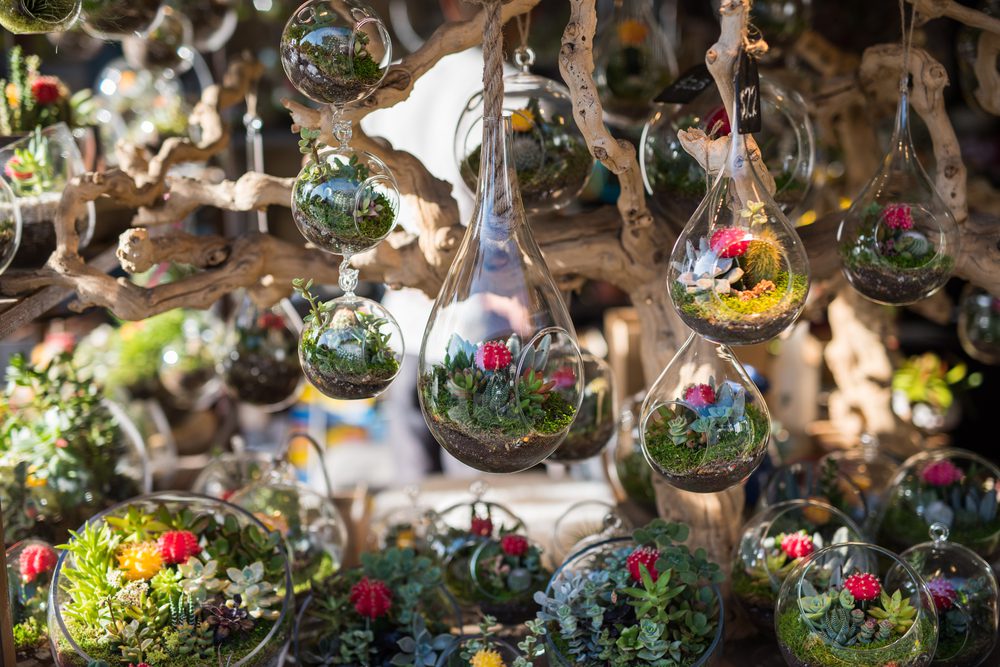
(933, 9)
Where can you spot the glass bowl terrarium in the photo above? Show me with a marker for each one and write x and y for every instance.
(551, 157)
(312, 528)
(609, 590)
(229, 472)
(953, 487)
(116, 19)
(30, 564)
(855, 604)
(584, 523)
(978, 324)
(596, 420)
(65, 451)
(393, 607)
(774, 541)
(39, 16)
(199, 579)
(705, 426)
(811, 481)
(964, 590)
(506, 571)
(628, 470)
(335, 51)
(188, 364)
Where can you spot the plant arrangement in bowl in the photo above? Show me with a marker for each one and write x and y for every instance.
(393, 610)
(32, 99)
(171, 580)
(29, 574)
(926, 390)
(65, 453)
(500, 402)
(484, 649)
(506, 572)
(648, 600)
(952, 487)
(28, 17)
(834, 609)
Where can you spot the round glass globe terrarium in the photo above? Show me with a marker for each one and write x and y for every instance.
(173, 550)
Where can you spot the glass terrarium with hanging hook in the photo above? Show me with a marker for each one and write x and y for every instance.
(32, 17)
(117, 19)
(597, 419)
(705, 426)
(738, 272)
(551, 157)
(978, 324)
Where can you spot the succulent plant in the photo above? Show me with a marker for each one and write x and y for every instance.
(199, 579)
(704, 271)
(896, 610)
(258, 595)
(228, 618)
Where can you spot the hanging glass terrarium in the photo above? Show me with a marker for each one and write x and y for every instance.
(899, 240)
(705, 426)
(500, 377)
(738, 272)
(335, 51)
(117, 19)
(978, 324)
(964, 590)
(188, 365)
(30, 17)
(214, 21)
(551, 157)
(164, 48)
(10, 226)
(813, 481)
(633, 60)
(630, 474)
(597, 420)
(260, 361)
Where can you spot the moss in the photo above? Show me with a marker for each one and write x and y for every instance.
(729, 308)
(30, 633)
(752, 590)
(35, 16)
(567, 164)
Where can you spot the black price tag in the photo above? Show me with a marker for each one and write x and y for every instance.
(689, 86)
(748, 95)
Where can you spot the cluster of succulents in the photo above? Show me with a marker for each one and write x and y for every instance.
(711, 431)
(329, 64)
(390, 611)
(506, 572)
(29, 99)
(486, 395)
(261, 364)
(925, 389)
(60, 450)
(169, 585)
(646, 601)
(966, 609)
(28, 169)
(29, 573)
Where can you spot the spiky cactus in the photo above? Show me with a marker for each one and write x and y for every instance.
(762, 260)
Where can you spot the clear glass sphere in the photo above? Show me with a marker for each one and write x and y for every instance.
(810, 481)
(30, 564)
(32, 18)
(188, 365)
(214, 21)
(953, 487)
(596, 420)
(335, 51)
(774, 541)
(831, 610)
(227, 473)
(979, 324)
(551, 157)
(117, 19)
(166, 48)
(871, 472)
(345, 201)
(628, 470)
(354, 352)
(506, 571)
(585, 523)
(408, 527)
(175, 537)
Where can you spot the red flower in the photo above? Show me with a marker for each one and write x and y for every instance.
(941, 473)
(36, 559)
(699, 395)
(46, 89)
(17, 171)
(514, 545)
(492, 356)
(718, 121)
(564, 377)
(898, 216)
(271, 321)
(943, 592)
(481, 527)
(797, 545)
(371, 598)
(730, 242)
(863, 586)
(61, 443)
(646, 556)
(176, 546)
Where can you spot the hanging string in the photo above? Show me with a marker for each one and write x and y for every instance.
(493, 100)
(907, 37)
(524, 28)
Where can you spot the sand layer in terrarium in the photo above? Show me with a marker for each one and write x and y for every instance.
(883, 280)
(324, 74)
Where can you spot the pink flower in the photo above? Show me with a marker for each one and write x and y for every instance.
(941, 473)
(863, 586)
(61, 443)
(481, 527)
(797, 545)
(17, 171)
(699, 395)
(36, 559)
(943, 592)
(898, 216)
(514, 545)
(730, 242)
(564, 377)
(717, 123)
(45, 89)
(492, 356)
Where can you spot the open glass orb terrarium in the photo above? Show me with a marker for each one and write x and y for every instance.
(813, 481)
(628, 470)
(978, 324)
(30, 564)
(164, 48)
(227, 473)
(705, 426)
(38, 168)
(855, 604)
(952, 487)
(585, 523)
(221, 576)
(608, 589)
(551, 157)
(596, 420)
(774, 541)
(188, 365)
(29, 17)
(506, 572)
(677, 183)
(868, 469)
(335, 51)
(964, 590)
(117, 19)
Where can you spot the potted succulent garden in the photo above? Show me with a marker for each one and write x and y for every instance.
(171, 580)
(32, 99)
(506, 572)
(648, 600)
(484, 396)
(392, 610)
(893, 254)
(64, 451)
(29, 574)
(713, 435)
(835, 609)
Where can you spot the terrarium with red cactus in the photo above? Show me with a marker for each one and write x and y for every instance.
(855, 604)
(506, 571)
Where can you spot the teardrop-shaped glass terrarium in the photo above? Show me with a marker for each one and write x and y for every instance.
(31, 17)
(117, 19)
(500, 377)
(705, 426)
(597, 419)
(738, 272)
(899, 240)
(978, 324)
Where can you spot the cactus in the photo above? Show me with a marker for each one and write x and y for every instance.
(762, 260)
(839, 627)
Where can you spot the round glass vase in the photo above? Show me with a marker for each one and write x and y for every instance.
(855, 604)
(627, 468)
(870, 470)
(32, 17)
(214, 21)
(810, 481)
(30, 564)
(229, 472)
(478, 650)
(260, 561)
(166, 47)
(506, 572)
(954, 487)
(773, 542)
(11, 226)
(188, 365)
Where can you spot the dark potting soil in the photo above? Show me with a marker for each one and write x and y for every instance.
(714, 476)
(514, 612)
(317, 84)
(492, 452)
(260, 379)
(348, 387)
(578, 447)
(330, 241)
(895, 286)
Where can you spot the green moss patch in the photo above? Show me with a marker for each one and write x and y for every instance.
(731, 448)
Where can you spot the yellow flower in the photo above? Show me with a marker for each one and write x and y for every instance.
(32, 482)
(632, 32)
(12, 97)
(140, 561)
(522, 120)
(815, 514)
(406, 539)
(487, 658)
